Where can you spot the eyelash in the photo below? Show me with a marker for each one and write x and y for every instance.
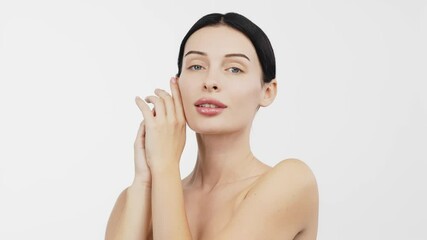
(235, 68)
(192, 67)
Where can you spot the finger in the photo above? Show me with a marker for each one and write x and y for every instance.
(145, 109)
(169, 105)
(140, 136)
(176, 95)
(159, 105)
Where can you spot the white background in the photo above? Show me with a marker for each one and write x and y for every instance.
(352, 104)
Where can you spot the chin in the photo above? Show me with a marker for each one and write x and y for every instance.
(221, 124)
(214, 128)
(207, 129)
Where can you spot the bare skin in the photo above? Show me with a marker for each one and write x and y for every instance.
(230, 194)
(210, 211)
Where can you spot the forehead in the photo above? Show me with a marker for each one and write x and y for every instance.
(220, 40)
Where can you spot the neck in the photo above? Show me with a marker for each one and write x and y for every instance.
(223, 158)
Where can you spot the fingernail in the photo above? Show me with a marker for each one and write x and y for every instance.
(173, 79)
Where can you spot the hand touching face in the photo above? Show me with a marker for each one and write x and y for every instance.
(164, 127)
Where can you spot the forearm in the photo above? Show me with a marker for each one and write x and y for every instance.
(131, 215)
(168, 209)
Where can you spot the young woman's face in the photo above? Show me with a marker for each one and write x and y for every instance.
(220, 64)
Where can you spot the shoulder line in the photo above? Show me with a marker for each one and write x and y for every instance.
(287, 195)
(286, 177)
(291, 169)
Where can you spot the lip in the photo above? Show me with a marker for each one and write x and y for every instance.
(207, 111)
(210, 101)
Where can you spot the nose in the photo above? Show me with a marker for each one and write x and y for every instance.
(210, 84)
(210, 87)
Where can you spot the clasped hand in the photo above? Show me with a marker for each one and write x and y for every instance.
(161, 136)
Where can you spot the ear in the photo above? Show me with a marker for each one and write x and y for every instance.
(269, 93)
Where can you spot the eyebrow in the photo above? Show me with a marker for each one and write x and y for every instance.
(195, 52)
(227, 55)
(237, 55)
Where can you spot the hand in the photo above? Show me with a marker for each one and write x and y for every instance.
(142, 171)
(165, 128)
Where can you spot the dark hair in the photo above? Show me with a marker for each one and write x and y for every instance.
(258, 38)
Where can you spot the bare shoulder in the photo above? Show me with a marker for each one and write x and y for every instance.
(293, 169)
(289, 194)
(289, 174)
(281, 204)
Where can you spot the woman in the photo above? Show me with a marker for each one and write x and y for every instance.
(226, 71)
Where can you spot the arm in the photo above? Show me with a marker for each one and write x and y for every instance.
(169, 218)
(131, 215)
(164, 142)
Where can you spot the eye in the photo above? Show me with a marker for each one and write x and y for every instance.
(195, 67)
(234, 70)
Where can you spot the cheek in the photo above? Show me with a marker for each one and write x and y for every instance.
(246, 100)
(185, 90)
(247, 93)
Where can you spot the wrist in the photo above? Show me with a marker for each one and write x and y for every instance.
(139, 182)
(164, 169)
(136, 191)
